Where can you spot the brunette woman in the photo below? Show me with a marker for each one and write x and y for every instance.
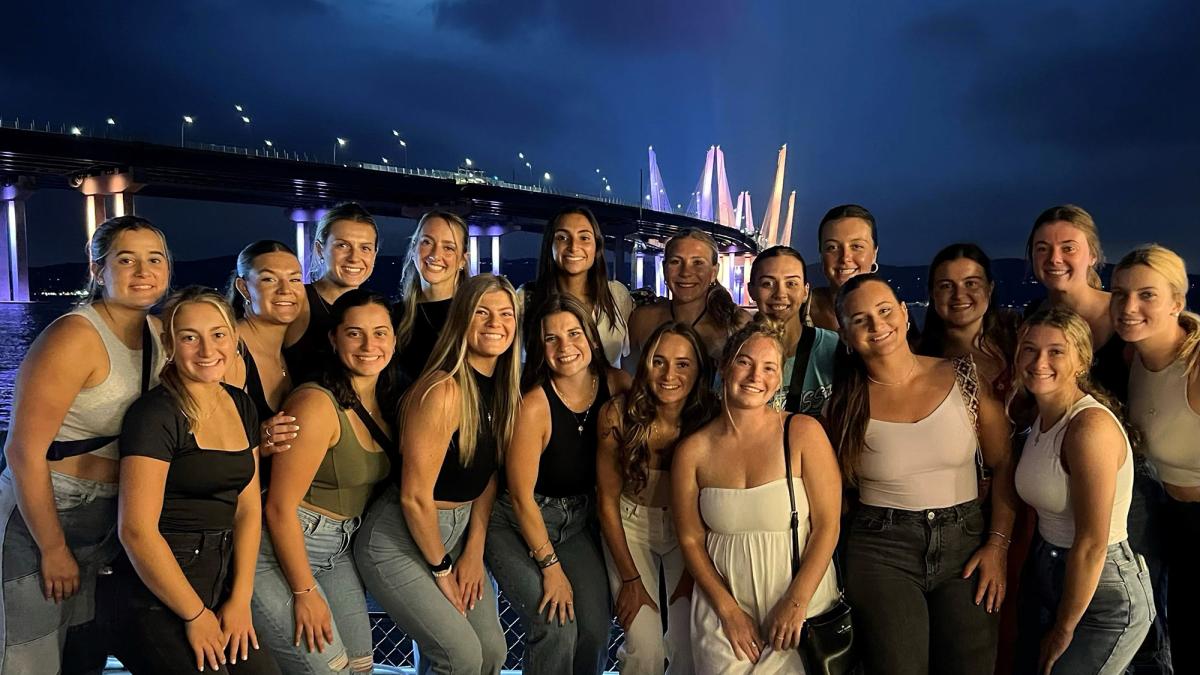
(849, 244)
(58, 493)
(913, 435)
(420, 552)
(542, 543)
(1086, 601)
(638, 431)
(345, 244)
(308, 599)
(190, 511)
(434, 267)
(1149, 300)
(732, 487)
(779, 286)
(572, 263)
(690, 270)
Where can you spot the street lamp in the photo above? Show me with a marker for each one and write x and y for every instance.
(110, 122)
(237, 107)
(404, 146)
(385, 159)
(469, 163)
(76, 131)
(245, 119)
(341, 143)
(187, 120)
(545, 179)
(530, 167)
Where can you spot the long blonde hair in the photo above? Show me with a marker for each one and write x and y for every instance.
(170, 376)
(1168, 263)
(449, 362)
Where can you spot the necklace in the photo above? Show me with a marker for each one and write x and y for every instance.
(671, 306)
(580, 421)
(901, 381)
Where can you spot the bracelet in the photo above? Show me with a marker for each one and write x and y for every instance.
(549, 561)
(310, 589)
(1003, 536)
(630, 581)
(1000, 545)
(534, 552)
(202, 608)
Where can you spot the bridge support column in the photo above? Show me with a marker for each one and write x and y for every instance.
(496, 254)
(660, 276)
(117, 188)
(639, 269)
(473, 249)
(14, 254)
(305, 223)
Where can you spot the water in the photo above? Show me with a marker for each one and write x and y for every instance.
(20, 323)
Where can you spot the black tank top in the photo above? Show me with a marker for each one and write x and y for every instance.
(1110, 370)
(427, 327)
(458, 483)
(306, 359)
(254, 387)
(568, 464)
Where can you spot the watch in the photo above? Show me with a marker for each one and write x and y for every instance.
(443, 568)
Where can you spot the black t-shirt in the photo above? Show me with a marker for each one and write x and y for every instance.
(202, 485)
(427, 328)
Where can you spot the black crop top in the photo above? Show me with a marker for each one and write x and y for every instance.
(427, 327)
(202, 485)
(458, 483)
(306, 359)
(1110, 370)
(568, 464)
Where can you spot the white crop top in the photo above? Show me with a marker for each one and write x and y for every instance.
(927, 464)
(1044, 484)
(1158, 405)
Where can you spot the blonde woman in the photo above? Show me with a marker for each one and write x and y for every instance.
(435, 266)
(420, 551)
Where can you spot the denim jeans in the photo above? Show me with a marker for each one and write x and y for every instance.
(397, 576)
(650, 535)
(913, 612)
(1183, 592)
(579, 647)
(151, 638)
(328, 543)
(33, 629)
(1113, 626)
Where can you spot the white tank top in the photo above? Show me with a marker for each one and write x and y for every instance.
(1158, 405)
(1044, 484)
(927, 464)
(97, 411)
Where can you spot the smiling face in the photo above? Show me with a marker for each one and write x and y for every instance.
(441, 253)
(493, 325)
(1047, 361)
(567, 349)
(780, 288)
(1061, 257)
(364, 341)
(674, 369)
(574, 244)
(349, 253)
(847, 249)
(689, 270)
(753, 376)
(135, 272)
(1143, 304)
(960, 292)
(873, 321)
(274, 288)
(203, 344)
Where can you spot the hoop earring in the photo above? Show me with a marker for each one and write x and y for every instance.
(873, 268)
(849, 350)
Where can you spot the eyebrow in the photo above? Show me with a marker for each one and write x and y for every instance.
(126, 251)
(275, 271)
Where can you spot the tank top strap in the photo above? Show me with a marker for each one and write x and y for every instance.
(111, 342)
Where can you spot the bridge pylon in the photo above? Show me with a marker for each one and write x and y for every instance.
(14, 252)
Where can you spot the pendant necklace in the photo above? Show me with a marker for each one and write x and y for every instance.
(580, 421)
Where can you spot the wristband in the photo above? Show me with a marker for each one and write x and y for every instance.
(1003, 536)
(549, 561)
(443, 568)
(534, 552)
(202, 608)
(310, 589)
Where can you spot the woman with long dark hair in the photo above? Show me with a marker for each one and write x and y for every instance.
(435, 266)
(58, 493)
(638, 432)
(925, 570)
(849, 244)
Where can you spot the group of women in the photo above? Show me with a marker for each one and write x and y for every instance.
(221, 484)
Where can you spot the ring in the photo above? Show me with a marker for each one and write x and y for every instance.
(269, 430)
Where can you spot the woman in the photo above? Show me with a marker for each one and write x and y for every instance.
(434, 267)
(58, 494)
(317, 496)
(572, 263)
(420, 552)
(690, 270)
(849, 245)
(190, 511)
(916, 605)
(1088, 604)
(1149, 300)
(638, 432)
(345, 244)
(730, 493)
(779, 287)
(267, 294)
(541, 543)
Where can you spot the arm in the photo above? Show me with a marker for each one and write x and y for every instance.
(641, 324)
(234, 613)
(995, 440)
(468, 569)
(1093, 450)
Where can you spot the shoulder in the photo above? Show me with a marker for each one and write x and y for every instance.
(1093, 421)
(804, 426)
(651, 312)
(621, 295)
(612, 411)
(437, 390)
(535, 402)
(618, 380)
(70, 332)
(695, 445)
(156, 404)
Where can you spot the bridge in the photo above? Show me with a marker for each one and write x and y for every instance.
(109, 174)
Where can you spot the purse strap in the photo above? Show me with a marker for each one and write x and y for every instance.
(795, 521)
(372, 426)
(147, 355)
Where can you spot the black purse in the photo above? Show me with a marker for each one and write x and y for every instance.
(827, 641)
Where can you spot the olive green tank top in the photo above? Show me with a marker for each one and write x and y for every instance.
(348, 472)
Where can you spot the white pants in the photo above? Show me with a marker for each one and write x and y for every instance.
(650, 535)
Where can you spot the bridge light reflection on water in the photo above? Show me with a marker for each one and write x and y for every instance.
(20, 323)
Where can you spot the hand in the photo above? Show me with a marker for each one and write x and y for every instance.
(1053, 646)
(238, 629)
(742, 634)
(630, 600)
(992, 563)
(468, 571)
(449, 587)
(60, 574)
(207, 639)
(784, 624)
(557, 595)
(313, 622)
(276, 434)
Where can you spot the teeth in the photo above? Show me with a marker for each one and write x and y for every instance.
(368, 358)
(574, 258)
(208, 364)
(353, 270)
(568, 359)
(492, 336)
(959, 308)
(1057, 273)
(670, 387)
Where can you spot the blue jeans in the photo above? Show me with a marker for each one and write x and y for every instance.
(33, 629)
(579, 647)
(397, 576)
(1113, 626)
(328, 543)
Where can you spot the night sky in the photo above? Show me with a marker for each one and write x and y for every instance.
(951, 121)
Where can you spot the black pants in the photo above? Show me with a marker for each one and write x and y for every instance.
(151, 638)
(1149, 538)
(1183, 588)
(913, 611)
